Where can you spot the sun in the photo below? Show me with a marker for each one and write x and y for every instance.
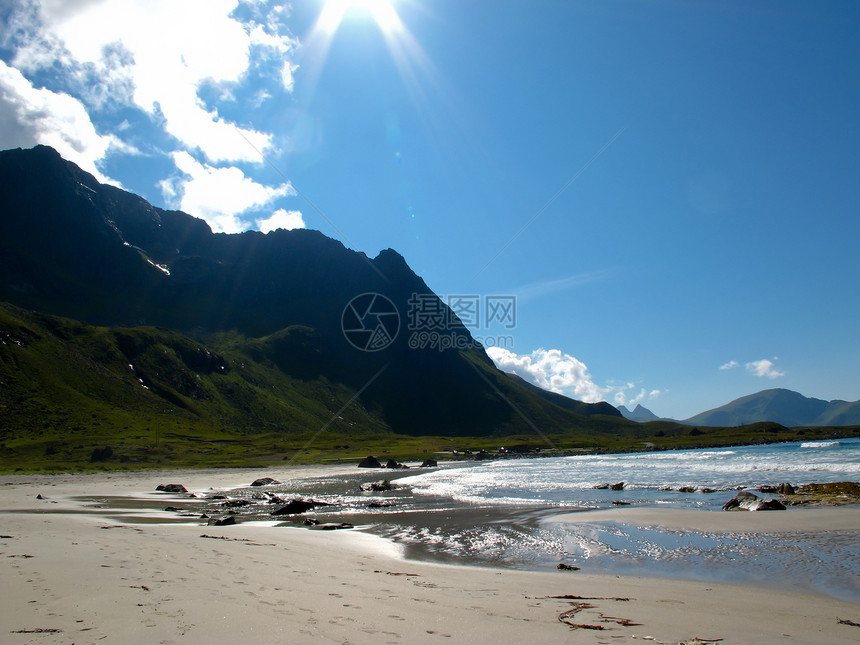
(410, 59)
(381, 11)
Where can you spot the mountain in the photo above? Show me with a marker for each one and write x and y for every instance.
(119, 311)
(640, 414)
(563, 401)
(782, 406)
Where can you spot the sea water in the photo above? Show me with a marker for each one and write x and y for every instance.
(499, 513)
(571, 481)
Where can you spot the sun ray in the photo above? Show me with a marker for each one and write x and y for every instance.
(434, 101)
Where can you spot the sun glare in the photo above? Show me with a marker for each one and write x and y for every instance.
(412, 63)
(335, 11)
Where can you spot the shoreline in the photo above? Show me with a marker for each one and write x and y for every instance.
(447, 457)
(73, 569)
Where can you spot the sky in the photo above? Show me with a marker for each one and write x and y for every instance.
(669, 189)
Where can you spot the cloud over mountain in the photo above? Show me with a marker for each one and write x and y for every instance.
(89, 79)
(31, 115)
(764, 368)
(555, 371)
(218, 195)
(551, 370)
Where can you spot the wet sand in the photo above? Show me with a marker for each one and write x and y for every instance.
(72, 574)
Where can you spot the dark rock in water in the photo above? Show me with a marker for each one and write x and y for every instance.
(221, 521)
(618, 486)
(686, 489)
(429, 463)
(618, 502)
(767, 488)
(311, 522)
(296, 506)
(236, 503)
(332, 526)
(379, 486)
(217, 497)
(171, 488)
(370, 462)
(380, 505)
(394, 464)
(39, 496)
(172, 509)
(204, 517)
(264, 481)
(785, 489)
(293, 507)
(566, 567)
(750, 502)
(709, 490)
(274, 499)
(481, 455)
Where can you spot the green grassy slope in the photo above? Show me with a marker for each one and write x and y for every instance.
(67, 388)
(158, 398)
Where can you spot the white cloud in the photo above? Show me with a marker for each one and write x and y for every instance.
(31, 116)
(197, 42)
(287, 220)
(729, 366)
(764, 368)
(551, 370)
(622, 397)
(287, 75)
(218, 195)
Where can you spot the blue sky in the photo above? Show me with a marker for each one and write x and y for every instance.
(706, 247)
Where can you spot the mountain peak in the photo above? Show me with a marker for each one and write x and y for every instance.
(640, 413)
(294, 301)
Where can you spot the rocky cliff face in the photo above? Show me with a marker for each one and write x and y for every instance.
(76, 248)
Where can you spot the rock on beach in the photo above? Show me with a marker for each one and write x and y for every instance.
(751, 502)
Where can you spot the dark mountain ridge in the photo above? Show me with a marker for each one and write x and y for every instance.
(78, 249)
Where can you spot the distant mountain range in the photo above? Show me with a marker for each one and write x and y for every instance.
(123, 314)
(786, 407)
(782, 406)
(640, 414)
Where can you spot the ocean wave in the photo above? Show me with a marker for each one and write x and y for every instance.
(819, 444)
(570, 480)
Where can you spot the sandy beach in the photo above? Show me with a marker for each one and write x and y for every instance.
(74, 574)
